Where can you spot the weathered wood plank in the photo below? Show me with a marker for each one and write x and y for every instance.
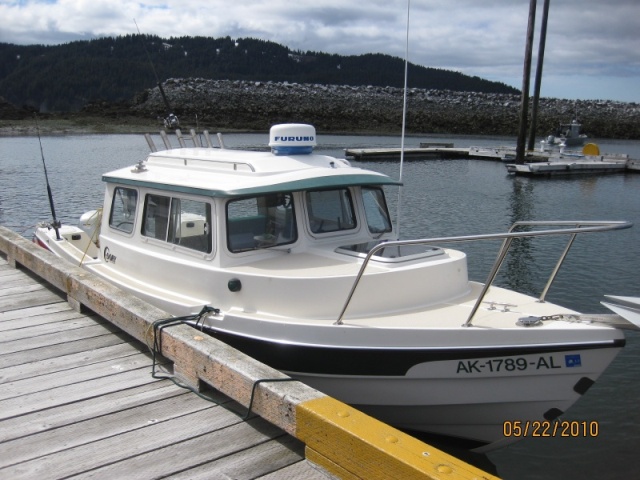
(52, 351)
(65, 362)
(37, 330)
(29, 321)
(31, 402)
(298, 471)
(73, 461)
(10, 276)
(83, 433)
(260, 460)
(56, 417)
(75, 376)
(25, 286)
(36, 311)
(41, 297)
(209, 448)
(30, 343)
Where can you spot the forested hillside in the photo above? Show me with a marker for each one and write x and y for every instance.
(67, 77)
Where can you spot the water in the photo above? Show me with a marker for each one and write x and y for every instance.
(441, 198)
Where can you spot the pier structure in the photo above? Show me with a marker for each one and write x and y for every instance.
(536, 162)
(91, 387)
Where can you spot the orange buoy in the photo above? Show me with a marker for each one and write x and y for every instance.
(591, 149)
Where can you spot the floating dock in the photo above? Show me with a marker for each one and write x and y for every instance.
(78, 397)
(548, 162)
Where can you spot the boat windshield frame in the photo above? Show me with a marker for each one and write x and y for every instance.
(260, 221)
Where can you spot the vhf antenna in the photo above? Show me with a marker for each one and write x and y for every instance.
(171, 121)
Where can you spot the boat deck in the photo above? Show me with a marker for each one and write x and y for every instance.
(78, 398)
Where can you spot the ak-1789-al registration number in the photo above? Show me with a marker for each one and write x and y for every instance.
(513, 364)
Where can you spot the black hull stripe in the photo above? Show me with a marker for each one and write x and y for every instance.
(375, 361)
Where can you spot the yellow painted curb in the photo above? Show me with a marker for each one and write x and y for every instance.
(360, 446)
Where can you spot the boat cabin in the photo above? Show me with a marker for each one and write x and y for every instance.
(220, 220)
(226, 206)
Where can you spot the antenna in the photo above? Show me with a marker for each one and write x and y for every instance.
(56, 223)
(404, 121)
(171, 121)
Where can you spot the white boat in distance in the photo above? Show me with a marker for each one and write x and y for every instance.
(568, 134)
(298, 254)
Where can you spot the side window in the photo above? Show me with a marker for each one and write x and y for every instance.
(156, 216)
(330, 210)
(123, 209)
(375, 207)
(190, 224)
(178, 221)
(261, 222)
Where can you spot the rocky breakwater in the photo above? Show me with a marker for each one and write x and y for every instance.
(251, 105)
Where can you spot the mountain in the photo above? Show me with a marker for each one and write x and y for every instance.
(69, 76)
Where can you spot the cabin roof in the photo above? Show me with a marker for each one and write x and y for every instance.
(234, 173)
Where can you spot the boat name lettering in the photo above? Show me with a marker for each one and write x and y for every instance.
(108, 256)
(306, 138)
(517, 364)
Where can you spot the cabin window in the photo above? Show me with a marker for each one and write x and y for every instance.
(178, 221)
(261, 222)
(376, 211)
(123, 209)
(330, 210)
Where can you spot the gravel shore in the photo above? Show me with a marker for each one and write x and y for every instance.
(223, 105)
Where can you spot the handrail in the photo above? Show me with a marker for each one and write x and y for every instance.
(579, 227)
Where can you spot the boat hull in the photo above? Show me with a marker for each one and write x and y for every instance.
(467, 393)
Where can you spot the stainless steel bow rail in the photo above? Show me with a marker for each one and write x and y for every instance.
(570, 227)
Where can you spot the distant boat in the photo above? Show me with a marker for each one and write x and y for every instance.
(568, 134)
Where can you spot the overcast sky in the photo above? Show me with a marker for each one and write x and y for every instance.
(593, 46)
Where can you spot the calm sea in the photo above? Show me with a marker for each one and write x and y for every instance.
(440, 198)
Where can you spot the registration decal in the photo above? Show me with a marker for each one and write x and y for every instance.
(514, 364)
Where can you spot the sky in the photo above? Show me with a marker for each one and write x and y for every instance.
(592, 46)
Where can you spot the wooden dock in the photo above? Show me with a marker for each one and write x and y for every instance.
(78, 398)
(546, 162)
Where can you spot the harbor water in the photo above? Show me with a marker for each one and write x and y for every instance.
(440, 198)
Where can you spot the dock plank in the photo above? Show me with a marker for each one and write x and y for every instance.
(20, 357)
(29, 299)
(106, 426)
(43, 311)
(64, 362)
(37, 341)
(8, 322)
(56, 417)
(72, 322)
(263, 459)
(127, 444)
(73, 376)
(213, 454)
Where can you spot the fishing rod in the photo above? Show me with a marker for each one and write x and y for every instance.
(55, 224)
(171, 121)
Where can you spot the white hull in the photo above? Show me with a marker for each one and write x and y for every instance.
(458, 390)
(459, 405)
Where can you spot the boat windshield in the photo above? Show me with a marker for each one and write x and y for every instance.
(376, 211)
(261, 222)
(330, 210)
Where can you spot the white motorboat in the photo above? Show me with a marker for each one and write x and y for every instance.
(298, 255)
(568, 134)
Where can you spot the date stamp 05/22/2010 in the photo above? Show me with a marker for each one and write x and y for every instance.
(546, 428)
